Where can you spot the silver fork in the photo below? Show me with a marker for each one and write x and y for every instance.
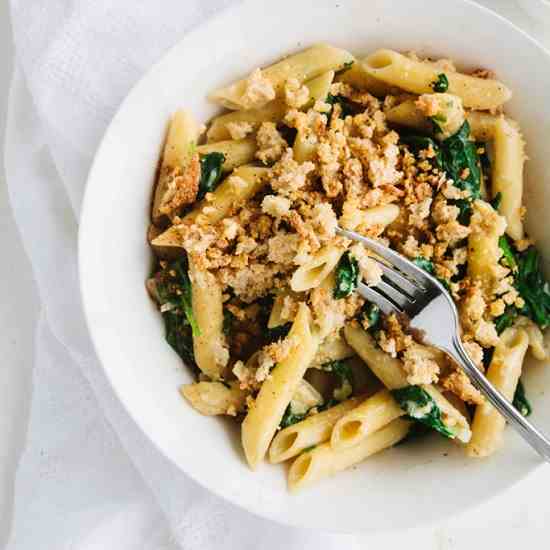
(430, 308)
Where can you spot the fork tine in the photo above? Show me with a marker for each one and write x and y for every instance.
(406, 285)
(393, 294)
(385, 305)
(388, 254)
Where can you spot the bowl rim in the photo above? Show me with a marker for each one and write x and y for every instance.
(86, 216)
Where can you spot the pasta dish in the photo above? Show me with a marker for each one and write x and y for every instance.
(257, 289)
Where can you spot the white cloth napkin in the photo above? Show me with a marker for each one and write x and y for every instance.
(88, 478)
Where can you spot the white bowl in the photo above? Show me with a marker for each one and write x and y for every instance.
(400, 488)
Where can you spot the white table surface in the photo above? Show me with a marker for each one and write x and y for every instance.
(519, 518)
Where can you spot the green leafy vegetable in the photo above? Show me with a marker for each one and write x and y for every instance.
(347, 276)
(497, 200)
(419, 405)
(426, 265)
(211, 172)
(311, 447)
(173, 288)
(520, 402)
(371, 313)
(441, 85)
(345, 378)
(461, 163)
(502, 322)
(529, 282)
(290, 418)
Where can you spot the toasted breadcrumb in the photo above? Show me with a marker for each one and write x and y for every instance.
(258, 91)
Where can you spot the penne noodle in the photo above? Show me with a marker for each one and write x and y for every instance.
(358, 77)
(272, 112)
(507, 174)
(311, 274)
(390, 372)
(324, 461)
(264, 416)
(236, 152)
(241, 185)
(209, 345)
(368, 417)
(315, 429)
(183, 133)
(483, 248)
(417, 77)
(302, 66)
(503, 372)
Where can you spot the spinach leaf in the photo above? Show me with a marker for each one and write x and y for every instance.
(174, 291)
(502, 322)
(211, 173)
(508, 257)
(426, 265)
(347, 276)
(461, 163)
(520, 402)
(311, 447)
(348, 107)
(371, 313)
(440, 85)
(290, 418)
(419, 405)
(529, 282)
(496, 201)
(345, 378)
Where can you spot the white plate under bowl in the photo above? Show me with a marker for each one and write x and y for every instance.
(405, 486)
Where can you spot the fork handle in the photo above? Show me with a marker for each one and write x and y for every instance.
(529, 433)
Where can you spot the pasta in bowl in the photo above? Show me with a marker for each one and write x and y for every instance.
(421, 480)
(257, 288)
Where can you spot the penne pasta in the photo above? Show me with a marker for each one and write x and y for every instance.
(417, 77)
(241, 185)
(507, 174)
(324, 461)
(183, 133)
(315, 429)
(236, 152)
(272, 112)
(503, 372)
(388, 369)
(209, 345)
(302, 66)
(264, 416)
(311, 274)
(215, 398)
(390, 372)
(365, 419)
(358, 77)
(484, 250)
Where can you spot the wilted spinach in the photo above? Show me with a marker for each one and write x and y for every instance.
(211, 173)
(173, 288)
(419, 405)
(441, 84)
(347, 276)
